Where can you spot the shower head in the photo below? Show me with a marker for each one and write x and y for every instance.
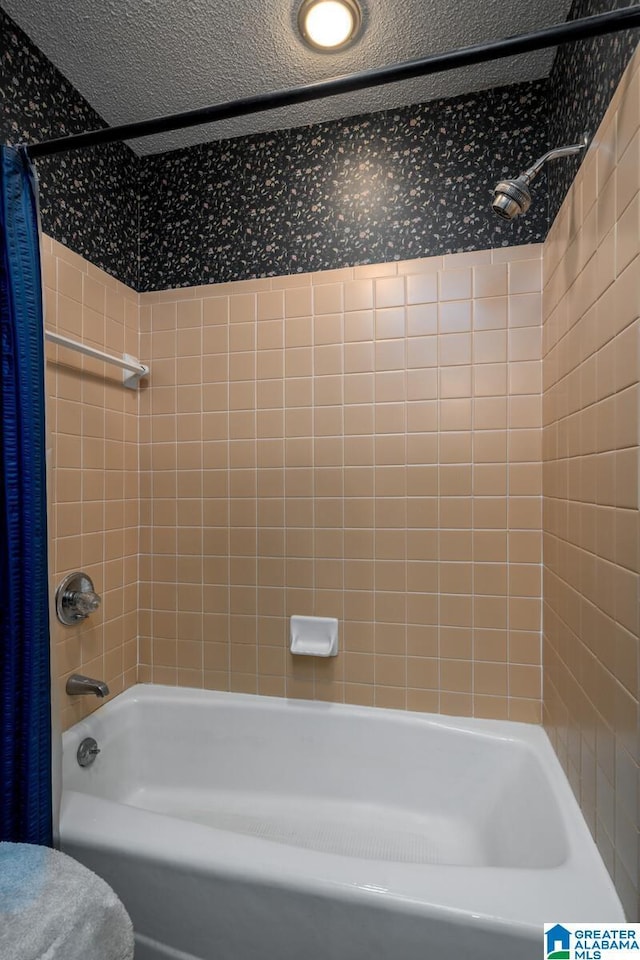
(512, 198)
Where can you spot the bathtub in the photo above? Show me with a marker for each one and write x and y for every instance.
(238, 827)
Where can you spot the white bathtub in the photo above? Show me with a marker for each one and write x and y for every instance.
(248, 828)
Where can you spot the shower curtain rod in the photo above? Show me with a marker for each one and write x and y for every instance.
(573, 30)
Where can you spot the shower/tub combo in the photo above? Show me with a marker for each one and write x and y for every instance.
(239, 826)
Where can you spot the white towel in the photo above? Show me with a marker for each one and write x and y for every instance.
(53, 908)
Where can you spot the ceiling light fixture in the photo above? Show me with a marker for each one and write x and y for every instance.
(329, 24)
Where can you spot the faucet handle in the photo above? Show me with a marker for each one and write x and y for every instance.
(76, 598)
(84, 603)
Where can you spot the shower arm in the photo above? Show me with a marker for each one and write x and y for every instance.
(554, 154)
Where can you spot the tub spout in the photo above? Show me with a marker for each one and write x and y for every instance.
(78, 686)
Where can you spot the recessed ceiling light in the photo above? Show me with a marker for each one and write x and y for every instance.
(329, 24)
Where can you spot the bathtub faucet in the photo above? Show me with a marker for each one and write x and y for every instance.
(79, 686)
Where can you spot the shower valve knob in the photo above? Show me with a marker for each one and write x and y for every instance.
(76, 599)
(84, 603)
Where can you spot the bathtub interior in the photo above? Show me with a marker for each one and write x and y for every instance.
(383, 786)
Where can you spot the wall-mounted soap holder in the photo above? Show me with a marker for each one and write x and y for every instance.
(76, 598)
(314, 636)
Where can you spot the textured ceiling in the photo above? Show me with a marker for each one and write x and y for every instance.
(134, 59)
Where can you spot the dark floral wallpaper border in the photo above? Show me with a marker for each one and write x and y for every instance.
(582, 82)
(398, 184)
(89, 199)
(387, 186)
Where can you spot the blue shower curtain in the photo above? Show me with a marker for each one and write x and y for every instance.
(25, 687)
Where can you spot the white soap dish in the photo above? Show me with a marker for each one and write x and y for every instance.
(314, 636)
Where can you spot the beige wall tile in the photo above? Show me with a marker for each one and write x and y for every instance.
(94, 484)
(384, 357)
(253, 507)
(590, 481)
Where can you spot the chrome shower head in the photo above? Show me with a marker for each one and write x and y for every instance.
(512, 198)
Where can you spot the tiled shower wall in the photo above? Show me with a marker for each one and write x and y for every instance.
(591, 546)
(364, 444)
(93, 483)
